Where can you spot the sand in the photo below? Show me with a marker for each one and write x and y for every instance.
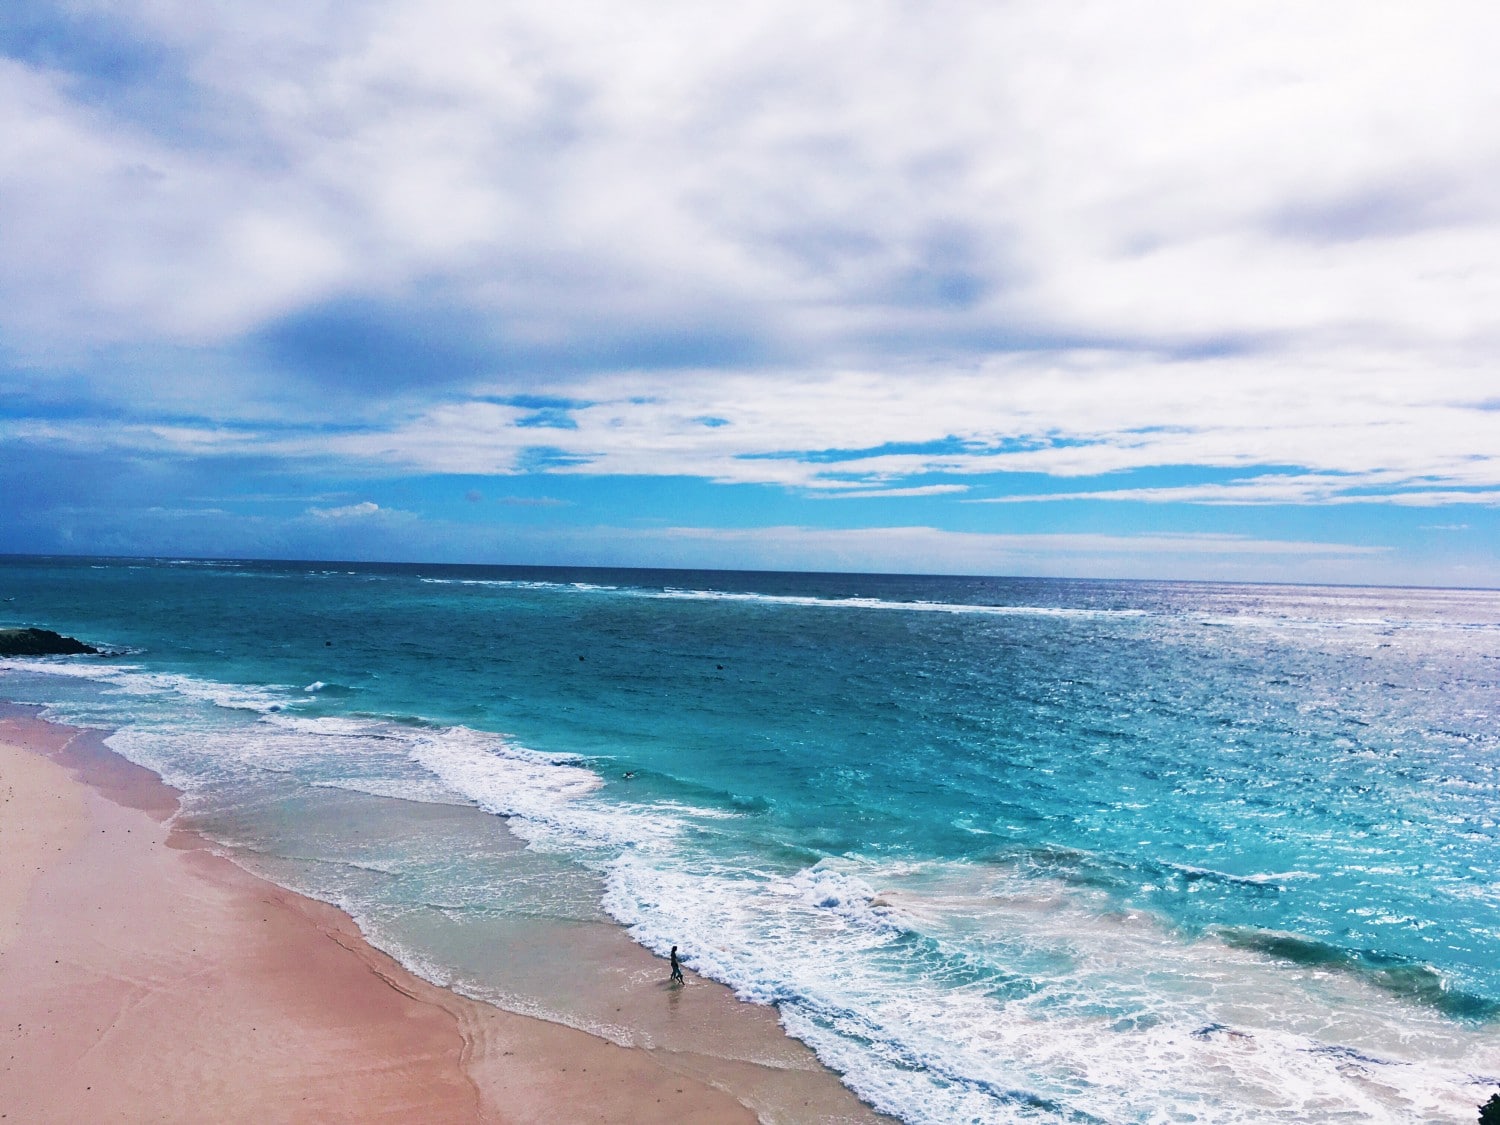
(143, 977)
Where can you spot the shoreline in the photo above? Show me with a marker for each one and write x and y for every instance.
(149, 975)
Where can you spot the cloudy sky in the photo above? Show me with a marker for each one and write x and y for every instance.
(1161, 289)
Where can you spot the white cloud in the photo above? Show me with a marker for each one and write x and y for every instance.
(1277, 489)
(364, 510)
(1392, 432)
(861, 172)
(1376, 433)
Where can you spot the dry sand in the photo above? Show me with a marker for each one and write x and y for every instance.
(145, 978)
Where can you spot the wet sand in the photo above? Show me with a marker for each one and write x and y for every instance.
(146, 977)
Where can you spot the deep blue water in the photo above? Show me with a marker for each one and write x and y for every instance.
(998, 849)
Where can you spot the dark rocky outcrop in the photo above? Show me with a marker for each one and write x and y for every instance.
(41, 642)
(1489, 1112)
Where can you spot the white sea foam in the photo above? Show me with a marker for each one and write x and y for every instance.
(517, 584)
(1098, 1008)
(227, 732)
(546, 798)
(884, 604)
(331, 726)
(676, 594)
(136, 680)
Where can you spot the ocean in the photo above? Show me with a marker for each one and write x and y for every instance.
(996, 849)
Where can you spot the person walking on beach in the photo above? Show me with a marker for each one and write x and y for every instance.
(676, 967)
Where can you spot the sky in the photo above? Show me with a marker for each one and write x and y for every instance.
(1173, 290)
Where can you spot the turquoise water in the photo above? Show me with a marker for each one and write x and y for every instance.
(997, 849)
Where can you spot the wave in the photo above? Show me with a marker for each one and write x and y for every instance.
(1081, 868)
(915, 606)
(522, 584)
(136, 680)
(330, 690)
(1400, 976)
(801, 600)
(959, 993)
(1275, 880)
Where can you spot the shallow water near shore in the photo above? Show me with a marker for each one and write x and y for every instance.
(996, 849)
